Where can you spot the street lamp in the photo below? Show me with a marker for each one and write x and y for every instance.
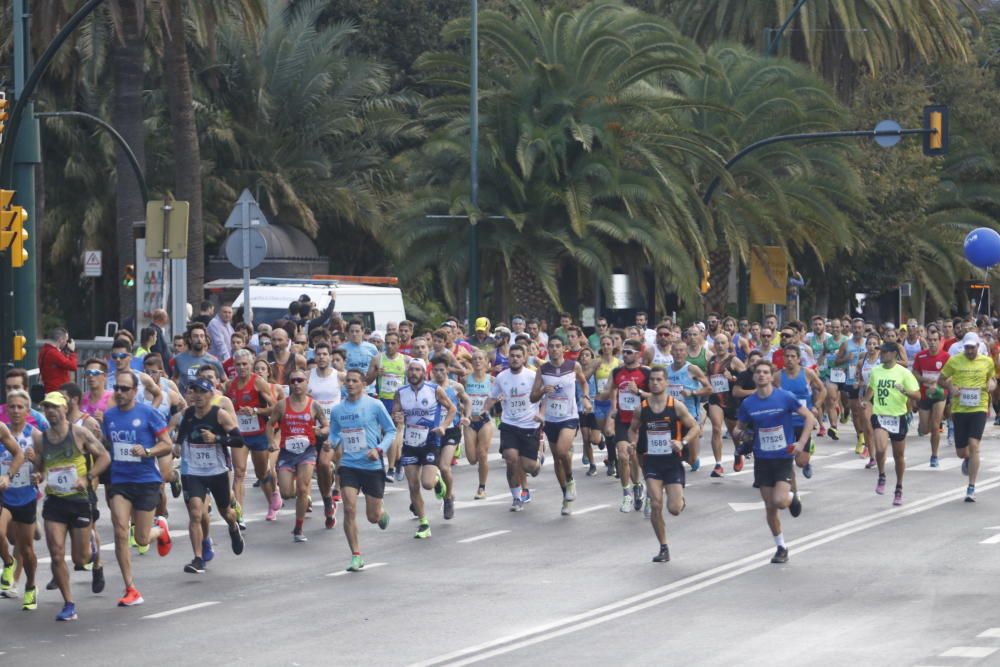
(474, 165)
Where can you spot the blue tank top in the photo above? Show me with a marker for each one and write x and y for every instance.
(453, 397)
(799, 387)
(740, 354)
(854, 352)
(681, 379)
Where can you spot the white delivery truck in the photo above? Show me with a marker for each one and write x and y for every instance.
(374, 304)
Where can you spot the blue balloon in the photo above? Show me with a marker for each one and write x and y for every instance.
(982, 247)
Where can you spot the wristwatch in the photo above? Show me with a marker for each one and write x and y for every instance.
(148, 452)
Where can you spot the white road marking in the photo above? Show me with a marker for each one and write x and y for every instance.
(368, 566)
(992, 632)
(588, 510)
(181, 610)
(686, 586)
(995, 539)
(759, 505)
(484, 536)
(969, 652)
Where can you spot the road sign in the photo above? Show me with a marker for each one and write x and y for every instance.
(768, 275)
(92, 263)
(167, 228)
(247, 211)
(889, 138)
(257, 249)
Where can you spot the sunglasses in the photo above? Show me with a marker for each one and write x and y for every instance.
(786, 335)
(296, 380)
(93, 372)
(123, 388)
(120, 355)
(629, 351)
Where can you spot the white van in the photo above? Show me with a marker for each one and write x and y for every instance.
(374, 305)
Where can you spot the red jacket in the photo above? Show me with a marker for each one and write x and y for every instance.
(55, 367)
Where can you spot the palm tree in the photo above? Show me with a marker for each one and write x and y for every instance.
(582, 155)
(794, 195)
(839, 38)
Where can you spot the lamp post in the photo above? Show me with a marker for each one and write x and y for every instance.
(474, 166)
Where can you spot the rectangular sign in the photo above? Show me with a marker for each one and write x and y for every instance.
(92, 263)
(768, 275)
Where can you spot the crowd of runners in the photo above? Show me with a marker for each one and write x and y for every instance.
(355, 410)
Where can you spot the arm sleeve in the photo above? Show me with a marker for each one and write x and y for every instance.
(388, 427)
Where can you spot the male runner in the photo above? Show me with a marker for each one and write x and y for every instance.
(889, 386)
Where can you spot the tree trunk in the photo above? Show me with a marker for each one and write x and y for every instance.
(527, 292)
(719, 261)
(187, 153)
(127, 116)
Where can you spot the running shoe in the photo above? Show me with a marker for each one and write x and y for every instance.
(608, 469)
(592, 472)
(696, 465)
(440, 489)
(299, 536)
(637, 490)
(309, 505)
(196, 566)
(236, 540)
(570, 493)
(390, 475)
(738, 462)
(413, 510)
(30, 601)
(356, 564)
(970, 494)
(175, 486)
(822, 431)
(527, 495)
(871, 463)
(272, 514)
(663, 556)
(400, 474)
(858, 448)
(935, 462)
(131, 536)
(68, 612)
(163, 543)
(480, 493)
(965, 466)
(449, 509)
(131, 598)
(585, 461)
(832, 432)
(7, 576)
(238, 509)
(383, 520)
(331, 515)
(897, 498)
(717, 471)
(423, 531)
(880, 486)
(11, 593)
(51, 586)
(207, 552)
(458, 454)
(807, 471)
(97, 580)
(780, 555)
(566, 511)
(626, 506)
(647, 508)
(517, 505)
(256, 484)
(276, 502)
(795, 509)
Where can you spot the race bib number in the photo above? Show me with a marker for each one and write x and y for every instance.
(248, 423)
(354, 440)
(720, 385)
(628, 401)
(602, 385)
(415, 436)
(201, 456)
(932, 376)
(518, 405)
(676, 391)
(61, 479)
(658, 443)
(852, 373)
(123, 452)
(889, 423)
(838, 375)
(297, 444)
(22, 478)
(557, 408)
(772, 439)
(391, 384)
(478, 402)
(969, 398)
(326, 407)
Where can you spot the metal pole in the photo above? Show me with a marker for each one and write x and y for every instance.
(474, 167)
(774, 41)
(245, 232)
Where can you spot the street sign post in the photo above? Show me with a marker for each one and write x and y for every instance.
(246, 247)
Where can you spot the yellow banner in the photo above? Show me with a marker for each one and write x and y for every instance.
(768, 275)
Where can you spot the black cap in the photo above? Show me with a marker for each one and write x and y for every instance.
(889, 347)
(304, 298)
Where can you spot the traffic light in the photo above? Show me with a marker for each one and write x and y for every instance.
(20, 347)
(936, 121)
(3, 113)
(12, 232)
(128, 279)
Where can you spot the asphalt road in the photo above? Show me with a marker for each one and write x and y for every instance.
(866, 583)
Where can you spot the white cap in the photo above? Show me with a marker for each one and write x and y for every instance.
(970, 339)
(418, 362)
(377, 334)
